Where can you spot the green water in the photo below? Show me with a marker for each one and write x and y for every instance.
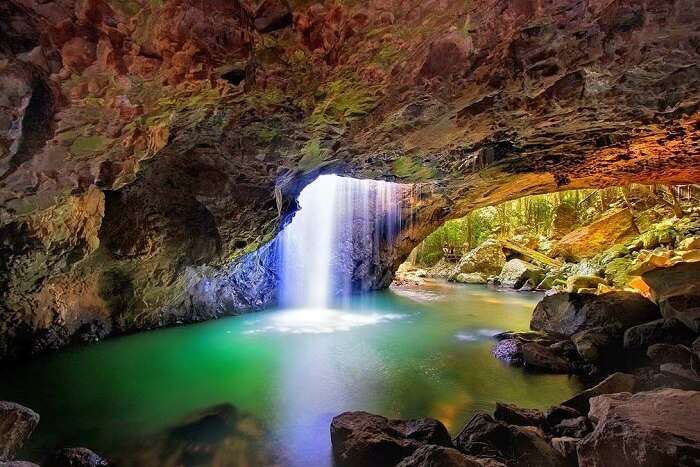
(398, 353)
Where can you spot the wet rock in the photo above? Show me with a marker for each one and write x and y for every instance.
(486, 259)
(670, 353)
(566, 447)
(558, 413)
(16, 425)
(668, 331)
(432, 456)
(516, 273)
(362, 439)
(272, 15)
(539, 357)
(648, 429)
(617, 382)
(514, 415)
(594, 238)
(569, 313)
(572, 427)
(485, 437)
(594, 344)
(76, 457)
(509, 350)
(677, 291)
(680, 377)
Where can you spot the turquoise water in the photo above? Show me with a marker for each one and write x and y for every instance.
(400, 353)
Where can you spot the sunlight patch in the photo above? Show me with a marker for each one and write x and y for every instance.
(318, 321)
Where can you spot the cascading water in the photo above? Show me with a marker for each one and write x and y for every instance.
(332, 246)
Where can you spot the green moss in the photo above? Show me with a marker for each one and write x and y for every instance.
(312, 155)
(407, 167)
(268, 135)
(344, 100)
(84, 146)
(616, 271)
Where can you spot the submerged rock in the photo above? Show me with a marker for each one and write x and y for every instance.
(470, 278)
(75, 457)
(16, 425)
(648, 429)
(362, 439)
(569, 313)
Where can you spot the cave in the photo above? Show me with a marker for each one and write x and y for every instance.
(416, 233)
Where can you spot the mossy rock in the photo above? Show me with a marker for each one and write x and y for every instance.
(407, 167)
(616, 271)
(85, 146)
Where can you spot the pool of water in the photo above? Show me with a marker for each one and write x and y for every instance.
(399, 353)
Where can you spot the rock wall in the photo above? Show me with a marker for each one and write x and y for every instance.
(149, 149)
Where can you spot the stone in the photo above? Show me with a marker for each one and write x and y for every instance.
(588, 241)
(16, 425)
(574, 283)
(272, 15)
(648, 429)
(667, 331)
(516, 273)
(542, 358)
(486, 259)
(470, 278)
(78, 53)
(572, 427)
(485, 437)
(677, 291)
(566, 447)
(690, 243)
(564, 220)
(558, 413)
(514, 415)
(75, 457)
(446, 55)
(616, 382)
(569, 313)
(18, 464)
(594, 344)
(671, 353)
(362, 439)
(433, 456)
(683, 378)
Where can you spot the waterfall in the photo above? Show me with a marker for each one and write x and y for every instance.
(334, 243)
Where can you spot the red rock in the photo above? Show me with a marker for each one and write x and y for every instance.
(78, 54)
(446, 55)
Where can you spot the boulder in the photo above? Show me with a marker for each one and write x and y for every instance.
(434, 456)
(542, 358)
(668, 331)
(272, 15)
(594, 344)
(514, 415)
(470, 278)
(648, 429)
(75, 457)
(362, 439)
(616, 382)
(594, 238)
(574, 283)
(680, 377)
(516, 273)
(485, 437)
(671, 353)
(558, 413)
(677, 291)
(572, 427)
(566, 447)
(690, 243)
(569, 313)
(16, 425)
(488, 259)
